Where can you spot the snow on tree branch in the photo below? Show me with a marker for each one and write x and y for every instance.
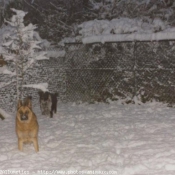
(21, 47)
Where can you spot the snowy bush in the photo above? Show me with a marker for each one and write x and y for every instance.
(121, 26)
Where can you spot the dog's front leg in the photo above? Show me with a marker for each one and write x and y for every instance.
(20, 144)
(35, 144)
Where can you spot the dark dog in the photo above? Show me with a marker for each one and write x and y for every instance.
(26, 124)
(48, 103)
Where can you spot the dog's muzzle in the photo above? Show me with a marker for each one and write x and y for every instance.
(24, 117)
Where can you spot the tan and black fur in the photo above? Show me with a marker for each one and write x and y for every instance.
(26, 124)
(48, 103)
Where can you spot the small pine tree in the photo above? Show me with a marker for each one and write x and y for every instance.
(20, 47)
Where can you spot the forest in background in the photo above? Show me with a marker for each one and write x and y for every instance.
(57, 19)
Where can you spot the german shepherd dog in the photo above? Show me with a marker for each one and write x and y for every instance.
(48, 103)
(26, 124)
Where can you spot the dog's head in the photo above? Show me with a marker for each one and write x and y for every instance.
(44, 95)
(24, 112)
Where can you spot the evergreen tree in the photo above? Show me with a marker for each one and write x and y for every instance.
(20, 48)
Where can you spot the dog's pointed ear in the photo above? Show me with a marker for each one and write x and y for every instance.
(19, 104)
(29, 103)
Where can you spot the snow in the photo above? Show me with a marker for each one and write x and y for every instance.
(17, 19)
(126, 29)
(41, 86)
(44, 42)
(42, 56)
(4, 113)
(4, 70)
(122, 139)
(130, 37)
(56, 53)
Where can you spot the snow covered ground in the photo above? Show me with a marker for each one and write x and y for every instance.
(108, 138)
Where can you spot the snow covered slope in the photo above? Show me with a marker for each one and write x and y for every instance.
(121, 139)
